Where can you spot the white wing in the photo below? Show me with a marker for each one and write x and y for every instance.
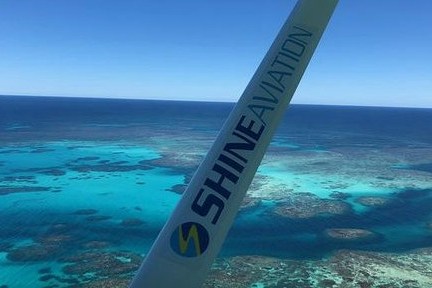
(188, 244)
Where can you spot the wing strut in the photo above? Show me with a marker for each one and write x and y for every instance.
(191, 239)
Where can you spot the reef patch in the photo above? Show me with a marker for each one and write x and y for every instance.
(308, 205)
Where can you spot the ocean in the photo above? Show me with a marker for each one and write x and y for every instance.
(343, 197)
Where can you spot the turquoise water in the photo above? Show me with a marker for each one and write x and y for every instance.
(137, 194)
(102, 176)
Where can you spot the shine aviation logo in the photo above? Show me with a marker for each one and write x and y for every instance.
(190, 239)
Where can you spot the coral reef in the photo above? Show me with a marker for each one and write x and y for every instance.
(102, 263)
(97, 218)
(115, 282)
(345, 269)
(94, 269)
(5, 190)
(348, 234)
(34, 252)
(374, 201)
(340, 195)
(308, 205)
(119, 166)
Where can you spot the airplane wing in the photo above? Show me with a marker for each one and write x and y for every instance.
(191, 239)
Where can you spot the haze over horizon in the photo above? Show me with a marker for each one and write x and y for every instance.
(372, 54)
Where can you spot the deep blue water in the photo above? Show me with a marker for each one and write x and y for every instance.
(368, 125)
(118, 157)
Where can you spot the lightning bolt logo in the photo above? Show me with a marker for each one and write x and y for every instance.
(190, 239)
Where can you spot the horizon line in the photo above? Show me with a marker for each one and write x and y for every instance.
(205, 101)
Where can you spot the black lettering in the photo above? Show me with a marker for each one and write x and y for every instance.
(296, 48)
(248, 130)
(247, 145)
(259, 111)
(217, 185)
(278, 76)
(285, 64)
(273, 98)
(233, 164)
(297, 35)
(209, 202)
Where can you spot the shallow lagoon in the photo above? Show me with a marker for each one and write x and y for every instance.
(86, 179)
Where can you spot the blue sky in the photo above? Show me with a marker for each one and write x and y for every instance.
(374, 52)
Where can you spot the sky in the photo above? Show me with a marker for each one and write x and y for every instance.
(374, 52)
